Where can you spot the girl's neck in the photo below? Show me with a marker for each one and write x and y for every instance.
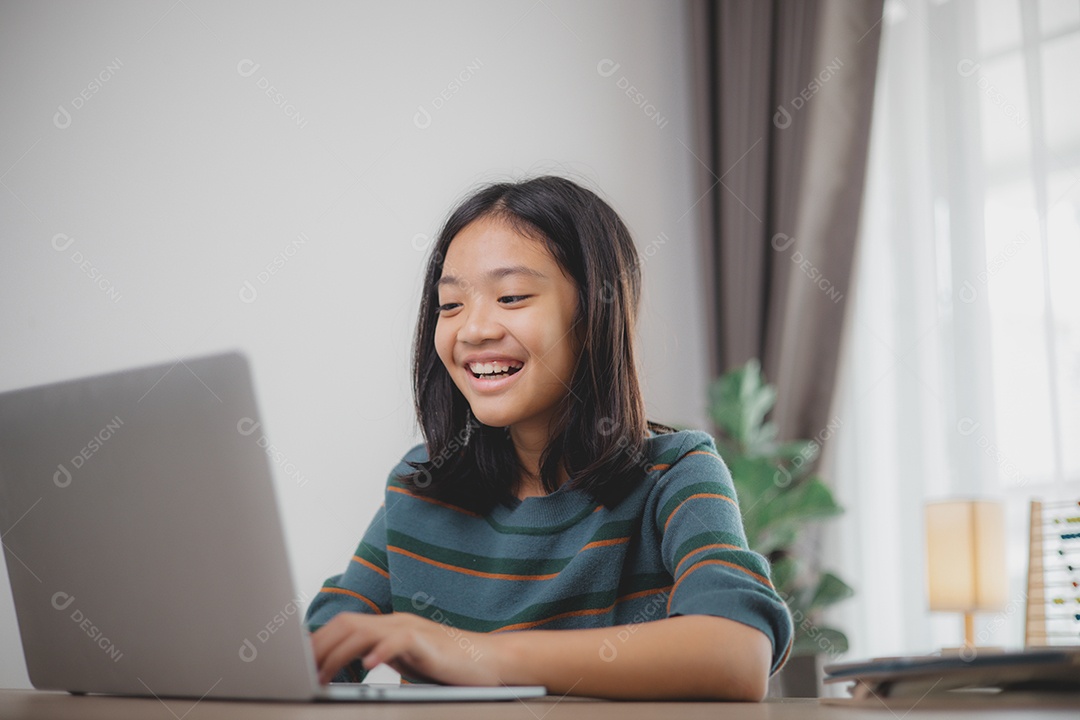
(534, 486)
(530, 446)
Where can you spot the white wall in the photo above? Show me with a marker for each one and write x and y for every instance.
(136, 132)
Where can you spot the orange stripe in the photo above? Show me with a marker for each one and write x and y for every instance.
(605, 543)
(467, 571)
(571, 613)
(698, 495)
(665, 466)
(642, 593)
(343, 591)
(598, 508)
(373, 566)
(580, 613)
(497, 576)
(694, 552)
(433, 501)
(703, 563)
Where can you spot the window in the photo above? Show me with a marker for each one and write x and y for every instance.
(961, 369)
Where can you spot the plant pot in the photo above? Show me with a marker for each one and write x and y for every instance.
(799, 678)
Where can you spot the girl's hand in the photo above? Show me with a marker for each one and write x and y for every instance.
(410, 644)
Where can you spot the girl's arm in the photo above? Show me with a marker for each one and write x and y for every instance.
(686, 657)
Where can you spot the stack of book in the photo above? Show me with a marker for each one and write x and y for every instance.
(1045, 675)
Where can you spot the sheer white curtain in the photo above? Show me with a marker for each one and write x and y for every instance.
(961, 367)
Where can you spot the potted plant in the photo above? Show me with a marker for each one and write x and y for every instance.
(779, 497)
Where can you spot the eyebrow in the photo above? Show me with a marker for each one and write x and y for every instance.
(496, 274)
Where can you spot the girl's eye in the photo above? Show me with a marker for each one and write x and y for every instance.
(513, 298)
(447, 307)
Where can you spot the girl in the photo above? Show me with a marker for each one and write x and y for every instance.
(542, 499)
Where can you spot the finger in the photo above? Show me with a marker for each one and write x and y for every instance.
(321, 644)
(333, 632)
(324, 640)
(386, 650)
(406, 649)
(350, 648)
(341, 644)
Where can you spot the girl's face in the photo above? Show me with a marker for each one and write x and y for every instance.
(505, 302)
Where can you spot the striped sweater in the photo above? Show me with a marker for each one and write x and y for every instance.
(674, 546)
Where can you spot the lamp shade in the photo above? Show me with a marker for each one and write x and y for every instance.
(965, 548)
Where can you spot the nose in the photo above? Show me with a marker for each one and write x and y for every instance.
(480, 325)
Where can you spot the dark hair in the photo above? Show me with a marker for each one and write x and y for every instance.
(599, 431)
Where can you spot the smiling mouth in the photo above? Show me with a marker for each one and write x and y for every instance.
(495, 369)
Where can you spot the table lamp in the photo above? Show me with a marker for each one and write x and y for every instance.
(965, 558)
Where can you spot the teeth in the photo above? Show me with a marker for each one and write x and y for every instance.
(490, 368)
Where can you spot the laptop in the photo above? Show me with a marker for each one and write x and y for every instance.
(144, 546)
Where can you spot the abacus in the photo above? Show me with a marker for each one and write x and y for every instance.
(1053, 581)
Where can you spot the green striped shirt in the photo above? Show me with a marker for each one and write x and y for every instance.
(674, 546)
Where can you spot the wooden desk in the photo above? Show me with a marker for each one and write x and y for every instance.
(29, 704)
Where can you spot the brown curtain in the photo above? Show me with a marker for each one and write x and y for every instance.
(785, 90)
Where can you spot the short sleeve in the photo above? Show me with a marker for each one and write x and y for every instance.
(704, 548)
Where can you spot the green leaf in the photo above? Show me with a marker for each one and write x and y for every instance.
(761, 441)
(807, 449)
(804, 502)
(830, 590)
(796, 458)
(776, 538)
(754, 478)
(756, 483)
(778, 495)
(776, 520)
(725, 408)
(817, 639)
(784, 571)
(739, 402)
